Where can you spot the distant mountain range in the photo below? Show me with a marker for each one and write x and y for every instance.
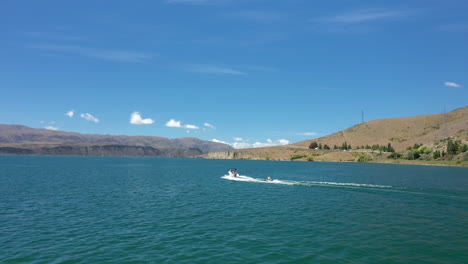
(18, 139)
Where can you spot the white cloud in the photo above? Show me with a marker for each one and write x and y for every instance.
(219, 141)
(90, 117)
(238, 139)
(191, 126)
(70, 113)
(136, 119)
(270, 143)
(176, 123)
(209, 125)
(452, 84)
(212, 69)
(240, 145)
(51, 128)
(173, 123)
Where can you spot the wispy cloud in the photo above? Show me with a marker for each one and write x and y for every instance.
(261, 68)
(197, 2)
(177, 123)
(452, 84)
(366, 15)
(51, 128)
(454, 27)
(70, 113)
(307, 134)
(257, 15)
(135, 118)
(212, 69)
(238, 139)
(90, 117)
(105, 54)
(359, 21)
(52, 36)
(209, 125)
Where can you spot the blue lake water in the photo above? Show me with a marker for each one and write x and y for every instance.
(56, 209)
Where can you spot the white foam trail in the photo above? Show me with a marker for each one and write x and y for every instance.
(350, 184)
(305, 183)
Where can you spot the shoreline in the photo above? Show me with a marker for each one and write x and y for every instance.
(348, 161)
(386, 161)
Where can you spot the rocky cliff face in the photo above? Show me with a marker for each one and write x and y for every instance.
(103, 150)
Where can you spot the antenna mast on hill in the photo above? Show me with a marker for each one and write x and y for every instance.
(445, 123)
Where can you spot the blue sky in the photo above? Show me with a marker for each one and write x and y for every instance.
(247, 72)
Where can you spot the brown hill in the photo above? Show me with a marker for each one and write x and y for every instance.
(401, 132)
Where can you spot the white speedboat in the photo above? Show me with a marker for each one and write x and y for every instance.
(233, 173)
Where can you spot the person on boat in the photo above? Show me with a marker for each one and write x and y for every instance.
(233, 172)
(269, 178)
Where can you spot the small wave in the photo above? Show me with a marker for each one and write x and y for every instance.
(303, 183)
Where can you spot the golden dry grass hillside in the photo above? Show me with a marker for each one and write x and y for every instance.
(431, 130)
(401, 132)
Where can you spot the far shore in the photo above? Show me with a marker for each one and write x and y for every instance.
(302, 154)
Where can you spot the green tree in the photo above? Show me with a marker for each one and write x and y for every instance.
(464, 148)
(394, 155)
(313, 145)
(436, 154)
(452, 147)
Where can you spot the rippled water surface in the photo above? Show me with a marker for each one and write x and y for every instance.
(177, 210)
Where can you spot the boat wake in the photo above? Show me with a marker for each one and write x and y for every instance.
(303, 183)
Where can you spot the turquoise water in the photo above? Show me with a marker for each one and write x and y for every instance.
(178, 210)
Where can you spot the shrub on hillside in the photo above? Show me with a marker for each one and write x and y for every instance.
(364, 157)
(313, 145)
(297, 156)
(394, 155)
